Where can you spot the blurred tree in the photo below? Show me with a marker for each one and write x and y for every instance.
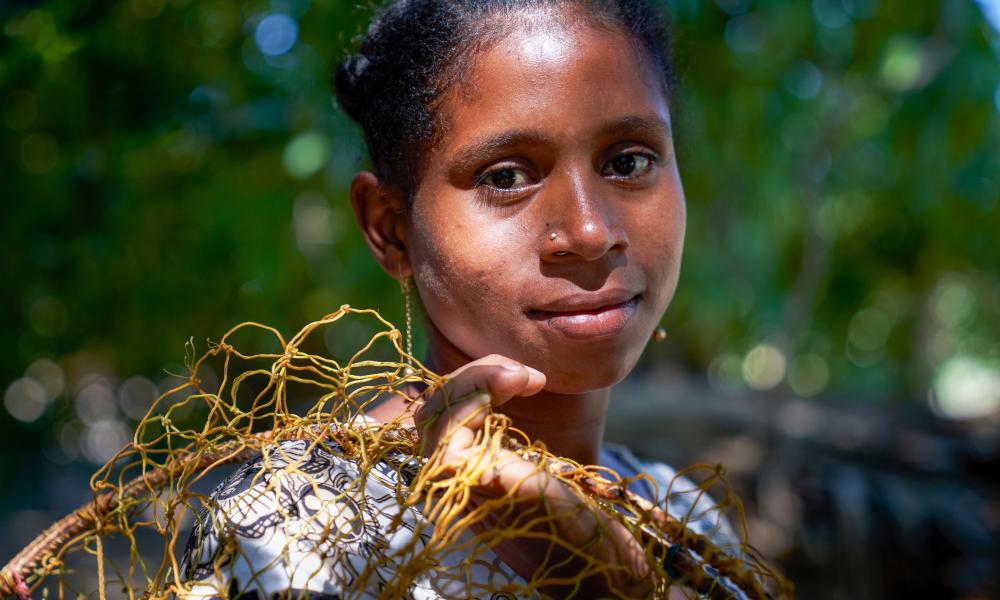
(841, 166)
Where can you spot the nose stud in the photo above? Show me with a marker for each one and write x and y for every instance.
(552, 236)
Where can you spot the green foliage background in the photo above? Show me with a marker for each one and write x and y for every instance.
(163, 179)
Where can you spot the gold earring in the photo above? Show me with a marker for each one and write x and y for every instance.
(404, 286)
(659, 334)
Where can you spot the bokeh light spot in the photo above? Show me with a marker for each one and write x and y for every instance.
(803, 80)
(103, 440)
(69, 440)
(808, 374)
(135, 396)
(953, 302)
(25, 400)
(725, 373)
(311, 222)
(96, 402)
(764, 367)
(991, 12)
(212, 24)
(869, 329)
(965, 387)
(901, 64)
(306, 154)
(276, 34)
(745, 33)
(49, 375)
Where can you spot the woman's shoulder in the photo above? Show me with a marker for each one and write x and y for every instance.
(294, 517)
(306, 517)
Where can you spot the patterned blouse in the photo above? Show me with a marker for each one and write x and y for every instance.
(318, 530)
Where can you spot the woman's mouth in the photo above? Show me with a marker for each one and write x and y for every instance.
(582, 319)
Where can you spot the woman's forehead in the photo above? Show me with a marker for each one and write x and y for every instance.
(555, 77)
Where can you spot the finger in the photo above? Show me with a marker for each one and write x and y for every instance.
(454, 449)
(467, 411)
(447, 405)
(512, 475)
(501, 382)
(467, 398)
(497, 360)
(629, 551)
(502, 377)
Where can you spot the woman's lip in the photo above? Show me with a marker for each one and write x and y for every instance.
(586, 301)
(589, 324)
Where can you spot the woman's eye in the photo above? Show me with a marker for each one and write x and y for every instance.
(628, 165)
(506, 179)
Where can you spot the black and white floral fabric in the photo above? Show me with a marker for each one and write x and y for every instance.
(299, 521)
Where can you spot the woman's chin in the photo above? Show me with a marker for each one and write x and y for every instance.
(585, 378)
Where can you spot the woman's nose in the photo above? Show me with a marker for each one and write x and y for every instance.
(584, 224)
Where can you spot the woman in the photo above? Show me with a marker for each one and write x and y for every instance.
(525, 186)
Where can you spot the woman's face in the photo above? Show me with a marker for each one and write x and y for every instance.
(549, 220)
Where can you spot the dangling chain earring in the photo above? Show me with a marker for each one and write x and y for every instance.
(404, 286)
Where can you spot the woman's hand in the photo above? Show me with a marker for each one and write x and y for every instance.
(584, 536)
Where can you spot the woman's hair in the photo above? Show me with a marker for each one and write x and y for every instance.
(416, 48)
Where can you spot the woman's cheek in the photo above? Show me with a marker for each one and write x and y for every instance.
(463, 291)
(432, 286)
(663, 243)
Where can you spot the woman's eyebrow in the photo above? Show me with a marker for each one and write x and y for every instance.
(650, 125)
(472, 155)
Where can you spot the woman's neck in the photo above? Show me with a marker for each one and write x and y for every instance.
(570, 425)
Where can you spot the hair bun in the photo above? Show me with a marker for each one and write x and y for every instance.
(347, 83)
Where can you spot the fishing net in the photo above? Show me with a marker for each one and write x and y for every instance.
(233, 489)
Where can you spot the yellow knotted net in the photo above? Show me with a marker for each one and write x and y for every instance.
(324, 502)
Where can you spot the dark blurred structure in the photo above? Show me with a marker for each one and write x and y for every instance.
(860, 502)
(173, 167)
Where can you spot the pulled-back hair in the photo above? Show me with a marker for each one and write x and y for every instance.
(416, 48)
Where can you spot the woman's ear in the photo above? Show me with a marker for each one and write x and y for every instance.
(379, 211)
